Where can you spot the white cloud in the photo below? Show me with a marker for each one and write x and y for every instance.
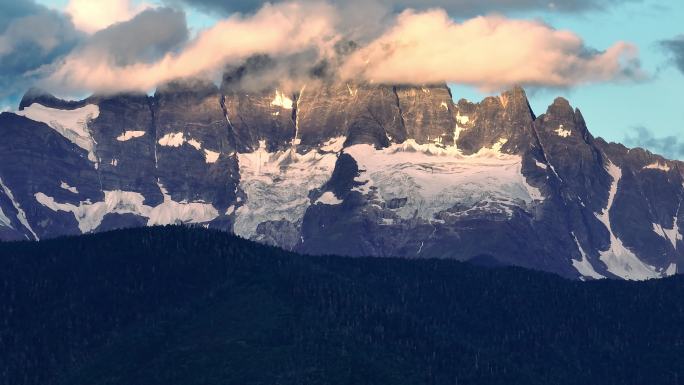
(93, 15)
(487, 52)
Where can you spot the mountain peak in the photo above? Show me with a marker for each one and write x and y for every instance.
(400, 170)
(560, 106)
(515, 101)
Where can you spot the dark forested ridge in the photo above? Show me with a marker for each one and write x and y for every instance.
(191, 306)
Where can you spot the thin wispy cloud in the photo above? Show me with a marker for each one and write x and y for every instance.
(675, 49)
(670, 146)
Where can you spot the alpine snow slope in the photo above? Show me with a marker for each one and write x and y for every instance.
(348, 169)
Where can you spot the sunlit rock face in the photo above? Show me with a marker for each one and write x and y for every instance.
(346, 168)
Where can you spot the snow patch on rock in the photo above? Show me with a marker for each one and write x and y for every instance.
(584, 266)
(277, 186)
(671, 270)
(504, 100)
(66, 186)
(462, 119)
(211, 156)
(71, 124)
(541, 165)
(195, 144)
(282, 101)
(499, 145)
(21, 215)
(329, 198)
(89, 215)
(657, 166)
(171, 212)
(4, 220)
(618, 259)
(562, 132)
(672, 235)
(128, 135)
(175, 139)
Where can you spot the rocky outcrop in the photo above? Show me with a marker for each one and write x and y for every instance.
(345, 168)
(195, 145)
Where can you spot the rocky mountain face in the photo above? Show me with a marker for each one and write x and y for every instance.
(349, 169)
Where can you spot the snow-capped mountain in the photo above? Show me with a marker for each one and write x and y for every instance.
(350, 169)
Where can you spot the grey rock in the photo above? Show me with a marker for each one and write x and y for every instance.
(195, 135)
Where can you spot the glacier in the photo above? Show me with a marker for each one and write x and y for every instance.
(277, 185)
(434, 178)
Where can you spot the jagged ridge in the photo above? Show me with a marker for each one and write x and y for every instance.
(353, 169)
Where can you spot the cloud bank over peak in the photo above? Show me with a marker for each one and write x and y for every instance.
(127, 45)
(488, 52)
(275, 30)
(417, 47)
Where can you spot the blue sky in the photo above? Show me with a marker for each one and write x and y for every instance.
(613, 110)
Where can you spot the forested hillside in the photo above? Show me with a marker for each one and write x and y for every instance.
(186, 306)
